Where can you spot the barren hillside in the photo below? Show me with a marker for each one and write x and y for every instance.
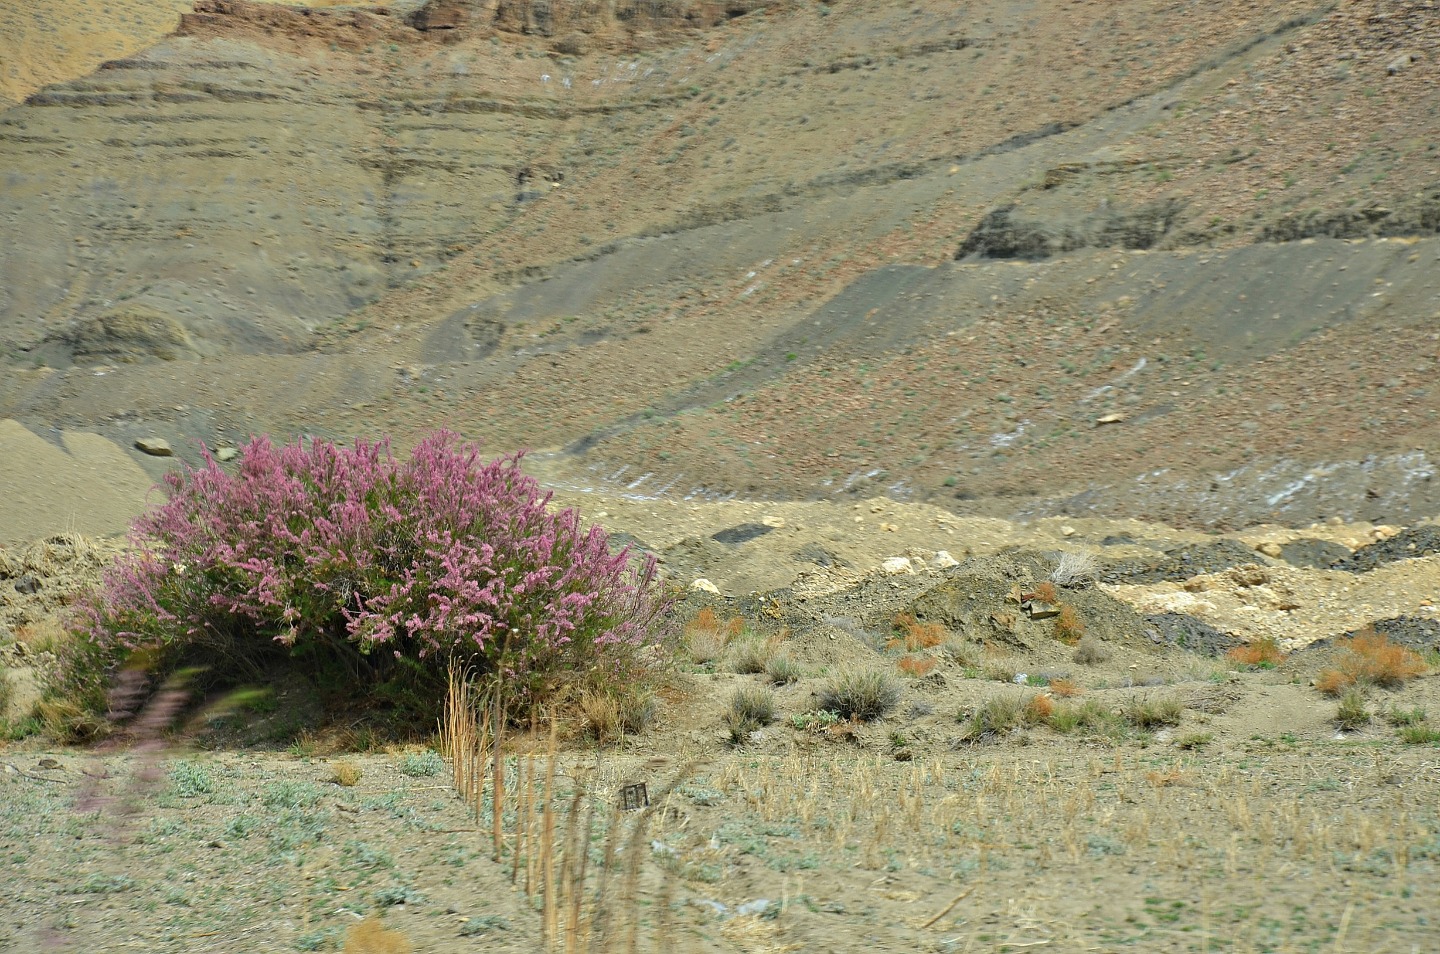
(1168, 260)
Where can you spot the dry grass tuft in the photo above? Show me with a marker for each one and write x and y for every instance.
(346, 774)
(1370, 659)
(1090, 652)
(601, 714)
(1263, 653)
(1069, 627)
(865, 695)
(915, 635)
(372, 937)
(706, 636)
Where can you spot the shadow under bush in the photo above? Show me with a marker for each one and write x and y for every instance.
(371, 577)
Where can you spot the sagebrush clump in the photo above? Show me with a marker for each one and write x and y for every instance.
(368, 572)
(865, 695)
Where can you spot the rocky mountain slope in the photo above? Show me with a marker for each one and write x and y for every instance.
(1144, 258)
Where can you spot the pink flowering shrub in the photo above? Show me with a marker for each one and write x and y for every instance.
(365, 571)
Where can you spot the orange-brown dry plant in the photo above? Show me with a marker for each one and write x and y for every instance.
(1045, 592)
(370, 936)
(916, 665)
(1369, 658)
(1039, 709)
(1069, 627)
(916, 635)
(1264, 651)
(1065, 688)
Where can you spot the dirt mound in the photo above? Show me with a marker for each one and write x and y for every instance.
(39, 579)
(1413, 632)
(1188, 633)
(1315, 554)
(1408, 544)
(1180, 563)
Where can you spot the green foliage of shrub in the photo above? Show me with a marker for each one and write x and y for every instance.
(421, 764)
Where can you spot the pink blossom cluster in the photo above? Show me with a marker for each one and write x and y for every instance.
(323, 548)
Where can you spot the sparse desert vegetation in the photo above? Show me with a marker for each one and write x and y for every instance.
(990, 527)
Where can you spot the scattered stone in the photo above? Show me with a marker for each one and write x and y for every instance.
(1400, 63)
(1039, 609)
(1110, 419)
(703, 585)
(1418, 541)
(942, 560)
(1189, 633)
(1067, 531)
(27, 585)
(774, 523)
(1315, 554)
(743, 533)
(1270, 549)
(226, 454)
(896, 566)
(818, 555)
(154, 446)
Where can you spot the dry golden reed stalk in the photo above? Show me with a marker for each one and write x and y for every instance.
(582, 911)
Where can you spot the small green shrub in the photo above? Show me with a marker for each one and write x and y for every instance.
(191, 780)
(782, 670)
(1352, 712)
(861, 694)
(422, 764)
(1148, 713)
(750, 708)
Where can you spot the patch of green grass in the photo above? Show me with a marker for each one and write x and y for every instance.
(1419, 735)
(422, 764)
(191, 780)
(290, 794)
(1352, 712)
(1152, 713)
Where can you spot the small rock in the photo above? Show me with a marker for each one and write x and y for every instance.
(1067, 531)
(895, 566)
(1269, 549)
(759, 906)
(942, 560)
(703, 585)
(776, 522)
(225, 454)
(154, 446)
(1399, 63)
(1110, 419)
(27, 584)
(1038, 609)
